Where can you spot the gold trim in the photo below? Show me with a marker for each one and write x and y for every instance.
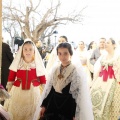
(26, 79)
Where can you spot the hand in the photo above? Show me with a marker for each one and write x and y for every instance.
(42, 112)
(73, 118)
(9, 90)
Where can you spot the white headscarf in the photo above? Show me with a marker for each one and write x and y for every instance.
(40, 69)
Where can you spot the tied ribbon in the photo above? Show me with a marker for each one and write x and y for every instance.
(106, 72)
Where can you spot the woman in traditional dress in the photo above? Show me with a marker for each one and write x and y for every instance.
(66, 94)
(82, 54)
(105, 89)
(27, 72)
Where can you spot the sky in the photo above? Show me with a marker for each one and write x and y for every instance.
(101, 19)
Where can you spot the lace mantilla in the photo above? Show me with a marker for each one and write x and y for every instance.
(59, 84)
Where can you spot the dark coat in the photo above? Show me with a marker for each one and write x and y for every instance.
(7, 58)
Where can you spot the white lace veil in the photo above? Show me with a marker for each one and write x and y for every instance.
(83, 100)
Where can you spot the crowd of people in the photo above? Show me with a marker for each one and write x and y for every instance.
(64, 83)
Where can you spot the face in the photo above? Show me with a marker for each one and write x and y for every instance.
(64, 55)
(28, 52)
(109, 46)
(61, 40)
(81, 45)
(102, 43)
(94, 45)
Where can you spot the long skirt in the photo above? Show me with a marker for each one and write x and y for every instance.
(23, 103)
(105, 97)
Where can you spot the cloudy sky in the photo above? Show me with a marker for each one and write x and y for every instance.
(102, 19)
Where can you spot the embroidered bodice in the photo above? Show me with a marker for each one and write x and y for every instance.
(106, 63)
(25, 76)
(107, 69)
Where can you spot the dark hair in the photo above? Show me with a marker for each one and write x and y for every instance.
(103, 38)
(28, 42)
(113, 41)
(82, 42)
(90, 45)
(64, 38)
(65, 45)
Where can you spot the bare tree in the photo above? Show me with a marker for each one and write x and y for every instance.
(10, 27)
(34, 23)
